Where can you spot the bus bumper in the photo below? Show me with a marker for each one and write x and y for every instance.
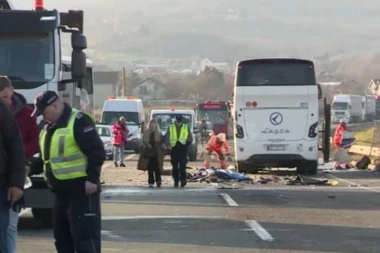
(278, 155)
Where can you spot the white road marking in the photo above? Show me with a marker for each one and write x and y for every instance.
(371, 189)
(24, 211)
(110, 234)
(228, 199)
(148, 217)
(128, 157)
(126, 191)
(259, 230)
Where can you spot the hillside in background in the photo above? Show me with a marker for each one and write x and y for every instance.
(225, 29)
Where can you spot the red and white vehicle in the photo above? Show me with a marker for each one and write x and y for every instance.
(218, 114)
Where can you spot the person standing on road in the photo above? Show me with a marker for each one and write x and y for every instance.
(72, 155)
(119, 140)
(338, 136)
(12, 170)
(29, 131)
(216, 144)
(178, 138)
(203, 128)
(153, 152)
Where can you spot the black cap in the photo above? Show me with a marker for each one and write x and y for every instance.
(178, 118)
(42, 101)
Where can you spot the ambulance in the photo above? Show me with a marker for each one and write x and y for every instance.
(132, 109)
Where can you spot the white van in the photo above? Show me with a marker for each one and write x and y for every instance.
(276, 115)
(133, 110)
(166, 117)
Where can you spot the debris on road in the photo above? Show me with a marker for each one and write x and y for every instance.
(305, 180)
(217, 175)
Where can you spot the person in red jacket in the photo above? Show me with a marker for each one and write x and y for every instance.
(29, 131)
(216, 144)
(342, 127)
(119, 140)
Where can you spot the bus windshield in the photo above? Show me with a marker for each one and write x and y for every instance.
(276, 72)
(217, 117)
(215, 113)
(27, 59)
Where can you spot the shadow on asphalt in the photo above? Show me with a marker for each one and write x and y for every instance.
(355, 174)
(314, 198)
(318, 238)
(234, 233)
(311, 197)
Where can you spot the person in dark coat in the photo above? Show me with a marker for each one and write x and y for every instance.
(12, 169)
(29, 131)
(153, 152)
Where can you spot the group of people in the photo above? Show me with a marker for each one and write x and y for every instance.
(177, 140)
(71, 155)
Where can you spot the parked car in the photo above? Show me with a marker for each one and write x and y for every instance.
(105, 133)
(134, 137)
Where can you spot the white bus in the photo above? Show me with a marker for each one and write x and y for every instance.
(276, 115)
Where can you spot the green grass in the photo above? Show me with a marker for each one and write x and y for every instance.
(364, 137)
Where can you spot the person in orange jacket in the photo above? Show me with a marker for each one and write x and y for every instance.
(338, 136)
(119, 140)
(216, 144)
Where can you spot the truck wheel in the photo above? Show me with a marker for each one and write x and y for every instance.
(308, 168)
(44, 216)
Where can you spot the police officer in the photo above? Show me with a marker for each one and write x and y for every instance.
(72, 155)
(178, 138)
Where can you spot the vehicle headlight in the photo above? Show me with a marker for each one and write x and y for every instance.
(107, 143)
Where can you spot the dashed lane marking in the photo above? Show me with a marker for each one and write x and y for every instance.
(228, 199)
(259, 230)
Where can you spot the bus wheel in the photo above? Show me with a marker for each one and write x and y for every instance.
(308, 168)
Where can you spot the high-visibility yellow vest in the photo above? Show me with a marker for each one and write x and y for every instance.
(66, 159)
(184, 133)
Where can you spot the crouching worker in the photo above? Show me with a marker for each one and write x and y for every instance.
(216, 144)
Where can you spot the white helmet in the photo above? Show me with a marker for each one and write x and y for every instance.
(342, 121)
(222, 137)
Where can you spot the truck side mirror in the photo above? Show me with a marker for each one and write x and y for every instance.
(78, 41)
(78, 65)
(319, 91)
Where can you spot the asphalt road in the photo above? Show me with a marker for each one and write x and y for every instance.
(269, 218)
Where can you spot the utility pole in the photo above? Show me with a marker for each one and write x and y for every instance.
(124, 88)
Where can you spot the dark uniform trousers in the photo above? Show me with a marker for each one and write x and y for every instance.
(179, 160)
(77, 223)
